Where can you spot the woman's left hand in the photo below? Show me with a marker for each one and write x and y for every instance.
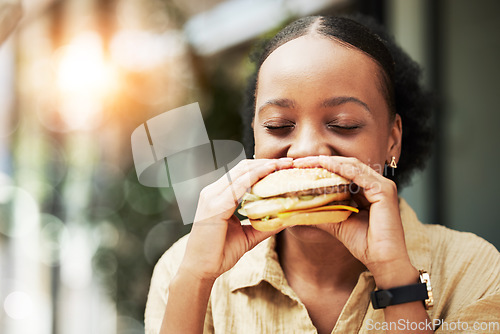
(374, 235)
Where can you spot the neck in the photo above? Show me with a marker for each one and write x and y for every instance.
(325, 263)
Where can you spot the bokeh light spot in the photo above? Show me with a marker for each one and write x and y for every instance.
(18, 305)
(158, 239)
(144, 200)
(19, 212)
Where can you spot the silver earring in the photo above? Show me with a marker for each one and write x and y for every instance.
(254, 156)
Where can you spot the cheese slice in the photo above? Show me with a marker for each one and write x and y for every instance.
(322, 208)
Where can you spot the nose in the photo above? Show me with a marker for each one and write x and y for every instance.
(309, 141)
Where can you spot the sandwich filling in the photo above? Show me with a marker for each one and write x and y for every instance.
(288, 192)
(333, 198)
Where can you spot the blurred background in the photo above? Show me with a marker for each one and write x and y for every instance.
(79, 236)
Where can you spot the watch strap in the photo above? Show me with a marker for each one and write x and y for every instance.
(399, 295)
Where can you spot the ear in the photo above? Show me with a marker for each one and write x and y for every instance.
(395, 138)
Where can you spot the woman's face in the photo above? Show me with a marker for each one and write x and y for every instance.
(316, 96)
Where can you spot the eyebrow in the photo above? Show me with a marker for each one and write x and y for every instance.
(338, 100)
(328, 103)
(284, 103)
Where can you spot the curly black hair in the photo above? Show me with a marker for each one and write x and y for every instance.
(400, 75)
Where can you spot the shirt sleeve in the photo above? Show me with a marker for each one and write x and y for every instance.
(482, 316)
(157, 297)
(469, 289)
(163, 273)
(209, 324)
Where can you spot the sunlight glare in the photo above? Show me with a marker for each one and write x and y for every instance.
(82, 66)
(84, 79)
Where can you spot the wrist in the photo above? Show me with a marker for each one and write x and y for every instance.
(190, 288)
(406, 294)
(395, 274)
(192, 277)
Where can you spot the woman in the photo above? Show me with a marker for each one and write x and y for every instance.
(327, 94)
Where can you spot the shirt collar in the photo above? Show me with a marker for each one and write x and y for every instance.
(261, 263)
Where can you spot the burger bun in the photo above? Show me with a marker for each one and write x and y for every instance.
(301, 218)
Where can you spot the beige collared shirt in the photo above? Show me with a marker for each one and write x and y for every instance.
(254, 296)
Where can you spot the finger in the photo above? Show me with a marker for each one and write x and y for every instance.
(238, 184)
(253, 169)
(380, 193)
(222, 197)
(248, 165)
(350, 225)
(374, 185)
(348, 167)
(254, 237)
(307, 162)
(358, 196)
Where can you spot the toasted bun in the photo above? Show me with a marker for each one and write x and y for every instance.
(296, 179)
(272, 206)
(301, 218)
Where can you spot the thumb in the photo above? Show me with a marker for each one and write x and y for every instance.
(350, 230)
(254, 237)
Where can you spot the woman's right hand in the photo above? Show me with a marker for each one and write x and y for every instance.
(217, 239)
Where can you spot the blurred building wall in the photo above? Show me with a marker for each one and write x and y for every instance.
(458, 44)
(471, 86)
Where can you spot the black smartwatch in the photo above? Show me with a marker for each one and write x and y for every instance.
(405, 294)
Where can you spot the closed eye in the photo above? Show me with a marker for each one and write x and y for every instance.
(278, 128)
(344, 127)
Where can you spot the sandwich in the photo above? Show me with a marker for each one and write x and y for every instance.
(297, 196)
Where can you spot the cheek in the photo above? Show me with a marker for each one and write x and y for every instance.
(370, 148)
(267, 146)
